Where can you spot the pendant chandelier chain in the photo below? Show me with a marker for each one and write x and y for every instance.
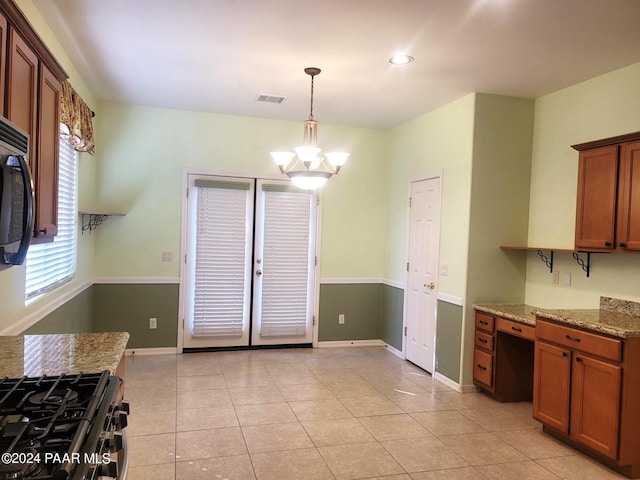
(311, 107)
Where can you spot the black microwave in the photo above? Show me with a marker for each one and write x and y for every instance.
(16, 195)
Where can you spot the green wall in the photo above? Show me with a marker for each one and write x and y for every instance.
(392, 316)
(359, 302)
(128, 307)
(75, 316)
(448, 335)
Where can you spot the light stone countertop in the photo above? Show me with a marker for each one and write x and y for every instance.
(518, 312)
(619, 318)
(36, 355)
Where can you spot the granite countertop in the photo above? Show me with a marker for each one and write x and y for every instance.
(518, 312)
(36, 355)
(619, 318)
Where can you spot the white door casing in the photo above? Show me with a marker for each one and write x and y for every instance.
(422, 277)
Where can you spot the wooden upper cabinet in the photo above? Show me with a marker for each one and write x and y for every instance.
(597, 191)
(22, 89)
(628, 232)
(47, 154)
(30, 78)
(3, 57)
(608, 203)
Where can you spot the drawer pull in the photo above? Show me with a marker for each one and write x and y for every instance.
(482, 340)
(573, 339)
(519, 330)
(482, 367)
(484, 322)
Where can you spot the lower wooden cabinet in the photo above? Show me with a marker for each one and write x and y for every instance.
(578, 395)
(586, 392)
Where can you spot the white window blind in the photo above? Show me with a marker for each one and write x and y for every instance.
(50, 264)
(222, 248)
(286, 259)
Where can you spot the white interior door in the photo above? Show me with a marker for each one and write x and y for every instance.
(422, 288)
(284, 264)
(250, 263)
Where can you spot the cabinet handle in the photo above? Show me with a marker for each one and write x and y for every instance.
(519, 330)
(578, 359)
(482, 340)
(564, 354)
(573, 339)
(623, 245)
(607, 244)
(38, 232)
(482, 368)
(483, 322)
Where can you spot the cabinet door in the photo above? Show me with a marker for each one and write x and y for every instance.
(596, 203)
(595, 404)
(551, 385)
(22, 88)
(628, 232)
(3, 59)
(47, 156)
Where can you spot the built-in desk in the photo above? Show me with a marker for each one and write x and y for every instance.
(503, 352)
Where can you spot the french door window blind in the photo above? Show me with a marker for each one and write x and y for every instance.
(50, 264)
(222, 243)
(286, 258)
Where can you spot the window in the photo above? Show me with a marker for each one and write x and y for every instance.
(51, 264)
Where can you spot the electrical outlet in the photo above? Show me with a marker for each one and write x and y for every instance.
(555, 278)
(444, 269)
(167, 256)
(341, 319)
(153, 323)
(565, 279)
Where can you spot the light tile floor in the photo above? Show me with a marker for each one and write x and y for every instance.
(329, 413)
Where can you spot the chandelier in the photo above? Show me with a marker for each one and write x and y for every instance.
(306, 168)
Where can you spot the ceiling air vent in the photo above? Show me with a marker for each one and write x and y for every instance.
(269, 99)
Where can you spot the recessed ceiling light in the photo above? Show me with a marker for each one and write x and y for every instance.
(400, 59)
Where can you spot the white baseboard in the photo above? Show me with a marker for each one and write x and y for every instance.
(352, 343)
(138, 352)
(395, 351)
(455, 385)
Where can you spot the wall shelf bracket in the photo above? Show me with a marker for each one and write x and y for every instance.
(91, 220)
(585, 266)
(548, 261)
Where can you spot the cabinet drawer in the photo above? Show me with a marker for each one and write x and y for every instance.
(484, 321)
(484, 340)
(575, 339)
(516, 328)
(483, 367)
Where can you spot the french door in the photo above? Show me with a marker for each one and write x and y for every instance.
(250, 263)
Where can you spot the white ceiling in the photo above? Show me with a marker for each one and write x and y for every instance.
(219, 55)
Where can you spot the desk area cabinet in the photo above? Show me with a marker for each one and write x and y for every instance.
(503, 357)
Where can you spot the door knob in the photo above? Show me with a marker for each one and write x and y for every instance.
(258, 272)
(430, 285)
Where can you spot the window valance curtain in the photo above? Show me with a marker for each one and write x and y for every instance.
(76, 115)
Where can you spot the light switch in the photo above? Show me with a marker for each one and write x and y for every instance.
(565, 278)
